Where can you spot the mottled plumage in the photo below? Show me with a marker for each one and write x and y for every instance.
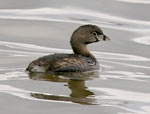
(63, 63)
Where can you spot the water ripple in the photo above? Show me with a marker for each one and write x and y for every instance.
(136, 1)
(126, 75)
(108, 97)
(143, 40)
(123, 99)
(46, 50)
(77, 15)
(25, 94)
(13, 75)
(107, 60)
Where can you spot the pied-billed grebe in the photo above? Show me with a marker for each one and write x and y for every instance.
(81, 60)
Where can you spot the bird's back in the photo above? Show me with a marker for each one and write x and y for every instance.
(63, 63)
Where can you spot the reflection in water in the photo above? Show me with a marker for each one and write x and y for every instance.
(76, 83)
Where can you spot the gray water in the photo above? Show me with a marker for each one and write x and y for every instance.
(30, 29)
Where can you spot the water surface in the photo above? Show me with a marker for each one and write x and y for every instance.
(30, 29)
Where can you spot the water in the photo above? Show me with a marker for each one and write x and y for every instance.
(30, 29)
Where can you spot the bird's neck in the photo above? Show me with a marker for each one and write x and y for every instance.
(81, 49)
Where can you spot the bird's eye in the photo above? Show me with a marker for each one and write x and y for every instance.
(94, 33)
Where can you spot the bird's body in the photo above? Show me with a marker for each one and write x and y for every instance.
(81, 60)
(63, 63)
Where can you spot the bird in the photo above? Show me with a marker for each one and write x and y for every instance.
(79, 61)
